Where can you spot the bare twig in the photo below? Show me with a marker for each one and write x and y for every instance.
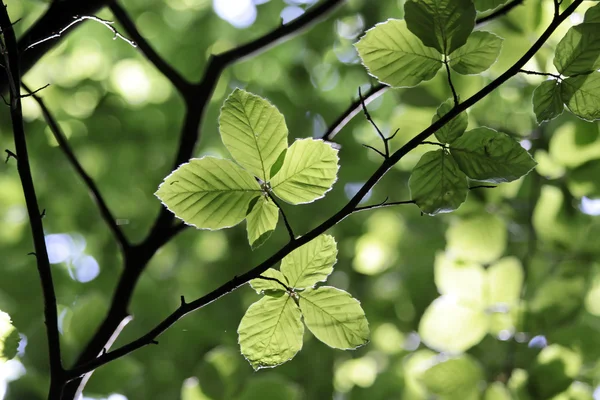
(528, 72)
(505, 9)
(285, 220)
(77, 20)
(368, 117)
(63, 143)
(434, 144)
(383, 204)
(449, 76)
(482, 187)
(11, 55)
(10, 154)
(375, 150)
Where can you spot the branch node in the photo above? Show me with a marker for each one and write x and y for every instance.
(153, 341)
(43, 214)
(183, 303)
(385, 140)
(32, 254)
(10, 154)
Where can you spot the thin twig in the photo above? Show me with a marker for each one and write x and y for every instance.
(164, 67)
(368, 117)
(35, 91)
(383, 204)
(449, 76)
(285, 220)
(499, 12)
(268, 278)
(482, 187)
(10, 154)
(11, 55)
(528, 72)
(375, 150)
(434, 144)
(93, 190)
(77, 20)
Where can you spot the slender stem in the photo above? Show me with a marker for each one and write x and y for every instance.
(164, 67)
(347, 210)
(528, 72)
(449, 75)
(285, 220)
(11, 55)
(434, 144)
(368, 117)
(93, 190)
(375, 150)
(385, 203)
(499, 12)
(268, 278)
(482, 187)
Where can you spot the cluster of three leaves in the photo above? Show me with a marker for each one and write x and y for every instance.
(439, 182)
(271, 331)
(577, 56)
(403, 53)
(213, 193)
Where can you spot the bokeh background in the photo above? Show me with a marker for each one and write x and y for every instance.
(122, 117)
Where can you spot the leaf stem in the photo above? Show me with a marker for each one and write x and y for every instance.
(528, 72)
(449, 75)
(285, 220)
(268, 278)
(381, 135)
(383, 204)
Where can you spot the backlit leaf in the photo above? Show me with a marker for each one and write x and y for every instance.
(490, 156)
(442, 24)
(505, 281)
(271, 331)
(581, 94)
(478, 238)
(9, 338)
(209, 193)
(334, 317)
(579, 51)
(396, 57)
(254, 132)
(310, 263)
(547, 101)
(261, 221)
(464, 280)
(262, 285)
(308, 172)
(437, 185)
(480, 52)
(453, 129)
(454, 378)
(484, 5)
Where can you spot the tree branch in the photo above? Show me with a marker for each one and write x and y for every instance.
(93, 190)
(11, 55)
(505, 9)
(347, 210)
(165, 68)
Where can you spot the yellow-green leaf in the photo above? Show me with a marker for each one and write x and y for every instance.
(581, 94)
(478, 54)
(310, 263)
(261, 221)
(263, 285)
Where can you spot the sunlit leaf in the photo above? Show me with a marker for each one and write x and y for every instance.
(261, 221)
(262, 285)
(454, 378)
(486, 155)
(270, 332)
(554, 370)
(396, 57)
(581, 94)
(505, 281)
(442, 24)
(254, 132)
(308, 172)
(437, 185)
(497, 391)
(480, 52)
(480, 238)
(579, 51)
(453, 129)
(9, 338)
(484, 5)
(310, 263)
(466, 281)
(334, 317)
(547, 101)
(446, 325)
(209, 193)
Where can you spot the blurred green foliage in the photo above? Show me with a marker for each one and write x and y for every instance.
(123, 119)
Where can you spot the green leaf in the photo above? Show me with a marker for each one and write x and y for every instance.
(9, 338)
(334, 317)
(554, 371)
(480, 52)
(448, 325)
(271, 331)
(209, 193)
(279, 163)
(484, 5)
(254, 132)
(454, 378)
(453, 129)
(547, 101)
(479, 238)
(465, 281)
(490, 156)
(396, 57)
(505, 281)
(579, 51)
(308, 172)
(310, 263)
(436, 184)
(261, 221)
(263, 285)
(581, 94)
(442, 24)
(592, 15)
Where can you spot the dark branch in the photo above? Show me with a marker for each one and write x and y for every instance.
(434, 144)
(383, 204)
(165, 68)
(375, 150)
(347, 210)
(10, 154)
(499, 12)
(89, 182)
(11, 55)
(385, 140)
(528, 72)
(285, 220)
(482, 187)
(449, 75)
